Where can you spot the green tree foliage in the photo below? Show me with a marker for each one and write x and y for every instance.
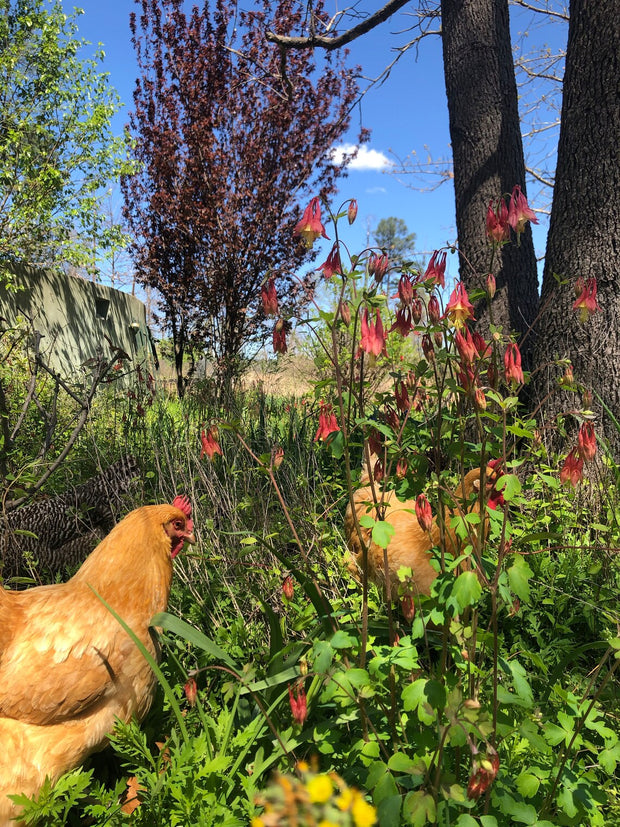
(57, 150)
(393, 236)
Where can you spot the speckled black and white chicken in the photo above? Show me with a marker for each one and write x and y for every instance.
(66, 527)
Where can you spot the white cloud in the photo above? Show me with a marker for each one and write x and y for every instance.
(376, 191)
(367, 159)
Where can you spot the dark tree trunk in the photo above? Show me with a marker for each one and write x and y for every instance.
(488, 156)
(584, 232)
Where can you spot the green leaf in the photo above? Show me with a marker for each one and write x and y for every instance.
(342, 640)
(382, 533)
(418, 809)
(519, 574)
(510, 485)
(191, 635)
(435, 693)
(527, 784)
(466, 590)
(465, 820)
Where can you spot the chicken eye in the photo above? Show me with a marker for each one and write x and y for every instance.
(178, 524)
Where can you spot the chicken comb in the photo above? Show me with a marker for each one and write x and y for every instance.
(183, 504)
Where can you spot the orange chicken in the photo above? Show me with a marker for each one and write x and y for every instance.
(410, 545)
(68, 670)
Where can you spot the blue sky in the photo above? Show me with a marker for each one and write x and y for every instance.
(406, 113)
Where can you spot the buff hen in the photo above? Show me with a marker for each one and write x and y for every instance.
(410, 545)
(68, 670)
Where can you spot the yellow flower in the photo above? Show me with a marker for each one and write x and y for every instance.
(320, 788)
(364, 814)
(303, 766)
(257, 822)
(326, 823)
(345, 799)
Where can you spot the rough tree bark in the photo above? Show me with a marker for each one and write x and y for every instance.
(584, 231)
(488, 156)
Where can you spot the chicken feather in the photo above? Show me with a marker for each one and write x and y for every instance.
(68, 669)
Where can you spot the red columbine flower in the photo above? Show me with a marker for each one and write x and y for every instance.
(210, 446)
(416, 310)
(459, 308)
(327, 422)
(279, 337)
(401, 395)
(310, 226)
(297, 700)
(572, 470)
(401, 468)
(512, 364)
(423, 512)
(436, 269)
(586, 302)
(519, 212)
(498, 228)
(587, 441)
(465, 345)
(352, 211)
(483, 774)
(378, 266)
(427, 348)
(405, 289)
(407, 605)
(269, 297)
(332, 264)
(403, 322)
(373, 338)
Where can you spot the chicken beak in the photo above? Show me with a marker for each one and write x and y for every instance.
(190, 538)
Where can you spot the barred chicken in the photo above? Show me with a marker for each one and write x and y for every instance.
(68, 669)
(65, 528)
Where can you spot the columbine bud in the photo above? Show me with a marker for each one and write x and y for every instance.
(288, 588)
(407, 606)
(269, 297)
(401, 468)
(405, 289)
(491, 285)
(298, 702)
(438, 338)
(352, 211)
(427, 348)
(278, 457)
(344, 312)
(423, 512)
(434, 311)
(416, 311)
(191, 691)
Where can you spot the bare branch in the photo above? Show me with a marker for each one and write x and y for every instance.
(337, 41)
(563, 15)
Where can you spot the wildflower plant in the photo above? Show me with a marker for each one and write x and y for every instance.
(427, 702)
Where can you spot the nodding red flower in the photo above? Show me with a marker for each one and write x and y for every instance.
(466, 378)
(459, 308)
(465, 345)
(434, 311)
(519, 211)
(416, 310)
(480, 400)
(328, 423)
(401, 468)
(436, 268)
(491, 285)
(210, 445)
(269, 297)
(498, 228)
(279, 337)
(278, 457)
(512, 364)
(480, 344)
(298, 702)
(405, 289)
(572, 470)
(352, 211)
(288, 588)
(403, 322)
(309, 228)
(587, 441)
(375, 442)
(423, 512)
(427, 348)
(344, 312)
(373, 337)
(483, 774)
(332, 264)
(191, 691)
(401, 395)
(407, 605)
(586, 302)
(378, 266)
(378, 472)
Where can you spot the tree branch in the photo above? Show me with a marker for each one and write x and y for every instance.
(337, 41)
